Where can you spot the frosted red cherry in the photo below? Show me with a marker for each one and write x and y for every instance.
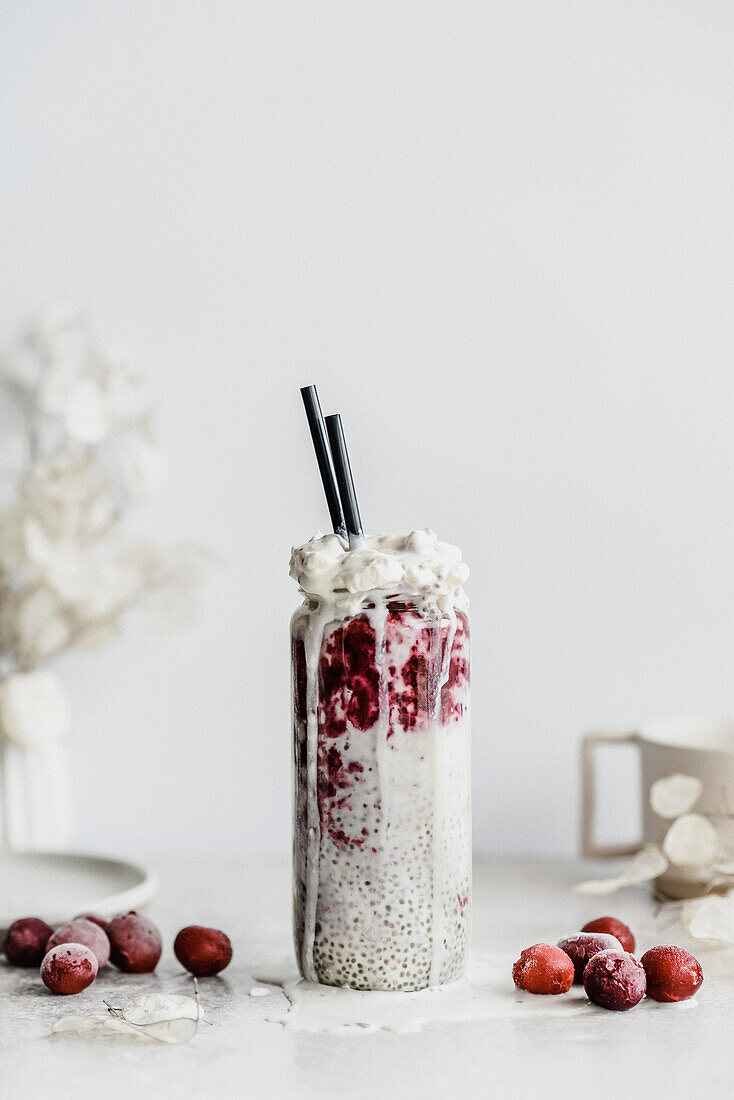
(612, 927)
(673, 974)
(94, 918)
(135, 943)
(69, 968)
(543, 969)
(615, 980)
(612, 977)
(202, 951)
(81, 930)
(582, 946)
(25, 941)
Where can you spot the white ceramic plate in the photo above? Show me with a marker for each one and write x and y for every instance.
(57, 886)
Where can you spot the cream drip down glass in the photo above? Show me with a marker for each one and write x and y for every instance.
(382, 804)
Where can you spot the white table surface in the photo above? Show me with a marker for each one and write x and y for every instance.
(651, 1051)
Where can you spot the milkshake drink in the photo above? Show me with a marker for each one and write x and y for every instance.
(382, 815)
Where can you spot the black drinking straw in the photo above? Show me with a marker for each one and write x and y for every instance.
(344, 477)
(324, 459)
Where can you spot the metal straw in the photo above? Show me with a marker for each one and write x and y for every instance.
(344, 478)
(324, 459)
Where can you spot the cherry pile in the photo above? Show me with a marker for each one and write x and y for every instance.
(71, 956)
(600, 956)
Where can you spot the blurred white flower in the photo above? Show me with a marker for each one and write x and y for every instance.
(36, 543)
(20, 367)
(12, 544)
(144, 466)
(86, 414)
(59, 333)
(67, 575)
(33, 709)
(93, 587)
(13, 452)
(67, 495)
(57, 384)
(124, 388)
(92, 635)
(40, 627)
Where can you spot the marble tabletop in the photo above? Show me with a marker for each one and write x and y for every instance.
(517, 1048)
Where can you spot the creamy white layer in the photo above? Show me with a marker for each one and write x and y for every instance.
(418, 564)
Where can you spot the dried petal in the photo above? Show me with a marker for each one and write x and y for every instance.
(674, 795)
(599, 887)
(647, 864)
(710, 918)
(88, 1025)
(169, 1017)
(153, 1008)
(691, 841)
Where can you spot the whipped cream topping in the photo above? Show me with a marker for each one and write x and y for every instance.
(416, 564)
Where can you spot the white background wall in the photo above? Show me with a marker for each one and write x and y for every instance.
(499, 237)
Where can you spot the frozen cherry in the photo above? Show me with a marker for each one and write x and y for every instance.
(94, 918)
(673, 974)
(69, 968)
(615, 980)
(615, 928)
(83, 931)
(582, 946)
(135, 943)
(202, 951)
(25, 941)
(543, 968)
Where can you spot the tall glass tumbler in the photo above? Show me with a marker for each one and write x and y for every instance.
(382, 803)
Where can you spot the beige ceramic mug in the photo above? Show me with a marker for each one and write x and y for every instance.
(702, 747)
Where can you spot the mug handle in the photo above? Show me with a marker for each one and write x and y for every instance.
(589, 847)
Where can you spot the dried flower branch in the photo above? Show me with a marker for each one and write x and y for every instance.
(83, 452)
